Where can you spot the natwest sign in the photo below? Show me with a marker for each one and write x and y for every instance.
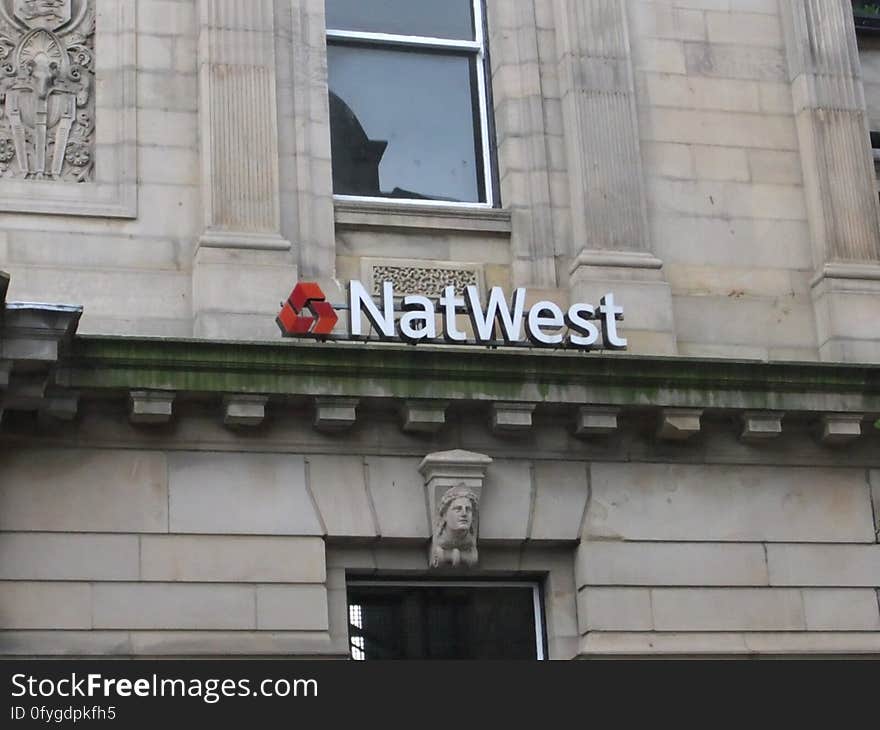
(414, 318)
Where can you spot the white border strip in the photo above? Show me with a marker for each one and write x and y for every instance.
(476, 47)
(536, 597)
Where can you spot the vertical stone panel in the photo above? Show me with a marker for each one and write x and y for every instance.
(829, 100)
(832, 122)
(238, 120)
(611, 251)
(307, 174)
(522, 139)
(242, 248)
(607, 197)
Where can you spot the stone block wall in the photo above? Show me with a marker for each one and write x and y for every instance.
(713, 559)
(235, 546)
(130, 274)
(719, 163)
(725, 191)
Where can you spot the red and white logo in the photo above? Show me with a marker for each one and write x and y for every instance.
(307, 296)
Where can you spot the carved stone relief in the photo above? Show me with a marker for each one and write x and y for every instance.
(428, 281)
(47, 100)
(456, 525)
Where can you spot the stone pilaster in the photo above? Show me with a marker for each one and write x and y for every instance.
(521, 131)
(612, 250)
(831, 116)
(243, 265)
(307, 215)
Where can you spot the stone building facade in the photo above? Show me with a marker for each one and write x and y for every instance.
(176, 479)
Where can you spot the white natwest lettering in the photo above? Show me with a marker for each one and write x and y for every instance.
(544, 324)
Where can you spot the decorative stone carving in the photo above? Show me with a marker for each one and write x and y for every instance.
(456, 525)
(454, 480)
(427, 281)
(47, 104)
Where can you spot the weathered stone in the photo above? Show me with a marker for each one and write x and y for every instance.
(335, 414)
(511, 417)
(678, 424)
(560, 500)
(27, 605)
(727, 609)
(841, 610)
(337, 484)
(84, 490)
(423, 416)
(507, 501)
(760, 425)
(46, 556)
(233, 559)
(258, 494)
(614, 609)
(244, 410)
(612, 563)
(173, 606)
(731, 503)
(62, 405)
(398, 493)
(149, 407)
(839, 429)
(824, 565)
(292, 608)
(595, 421)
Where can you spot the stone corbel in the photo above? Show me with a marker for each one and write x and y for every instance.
(454, 482)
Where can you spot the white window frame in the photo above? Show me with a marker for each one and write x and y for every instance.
(476, 47)
(536, 598)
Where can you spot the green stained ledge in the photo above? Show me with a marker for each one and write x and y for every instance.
(95, 364)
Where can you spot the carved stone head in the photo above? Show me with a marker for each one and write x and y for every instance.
(454, 540)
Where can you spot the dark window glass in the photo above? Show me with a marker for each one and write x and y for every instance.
(411, 622)
(403, 124)
(435, 18)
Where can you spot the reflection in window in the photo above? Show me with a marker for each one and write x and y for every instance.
(408, 113)
(445, 621)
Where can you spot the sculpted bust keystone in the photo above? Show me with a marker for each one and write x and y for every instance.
(454, 540)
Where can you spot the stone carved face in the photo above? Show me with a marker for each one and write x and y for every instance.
(454, 541)
(48, 14)
(460, 514)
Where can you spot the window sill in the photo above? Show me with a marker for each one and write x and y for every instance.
(353, 215)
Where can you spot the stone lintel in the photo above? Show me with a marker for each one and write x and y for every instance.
(596, 421)
(838, 429)
(511, 417)
(761, 425)
(679, 424)
(335, 414)
(244, 410)
(423, 416)
(151, 406)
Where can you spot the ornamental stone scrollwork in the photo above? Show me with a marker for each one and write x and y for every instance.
(456, 525)
(427, 281)
(47, 101)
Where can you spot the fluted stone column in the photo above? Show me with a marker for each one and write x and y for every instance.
(243, 266)
(831, 115)
(521, 128)
(612, 250)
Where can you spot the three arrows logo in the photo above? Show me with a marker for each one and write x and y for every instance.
(307, 296)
